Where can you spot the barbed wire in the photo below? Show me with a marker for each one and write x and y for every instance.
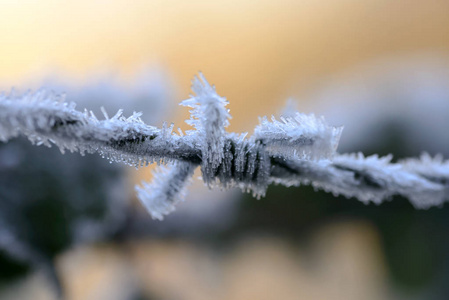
(294, 150)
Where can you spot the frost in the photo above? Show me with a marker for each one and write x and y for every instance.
(369, 179)
(245, 165)
(432, 168)
(148, 90)
(167, 189)
(209, 116)
(298, 136)
(46, 119)
(296, 149)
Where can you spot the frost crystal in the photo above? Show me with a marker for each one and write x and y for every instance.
(432, 168)
(46, 119)
(167, 189)
(245, 165)
(301, 136)
(209, 116)
(297, 149)
(365, 178)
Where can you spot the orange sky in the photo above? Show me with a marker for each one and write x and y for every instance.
(256, 52)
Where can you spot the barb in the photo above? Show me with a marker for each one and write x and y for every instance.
(298, 149)
(210, 117)
(167, 189)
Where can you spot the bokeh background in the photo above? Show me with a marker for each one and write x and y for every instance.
(70, 226)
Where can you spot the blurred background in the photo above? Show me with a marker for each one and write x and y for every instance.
(70, 226)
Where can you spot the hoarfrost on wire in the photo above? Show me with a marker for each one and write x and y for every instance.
(298, 135)
(296, 149)
(167, 189)
(209, 116)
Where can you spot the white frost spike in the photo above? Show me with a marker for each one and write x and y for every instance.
(166, 190)
(290, 108)
(105, 114)
(298, 136)
(432, 168)
(210, 117)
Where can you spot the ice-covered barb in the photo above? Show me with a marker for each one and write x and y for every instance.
(298, 136)
(210, 117)
(167, 189)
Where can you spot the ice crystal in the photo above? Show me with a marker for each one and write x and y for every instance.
(368, 179)
(296, 149)
(209, 116)
(299, 135)
(432, 168)
(245, 165)
(167, 189)
(46, 119)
